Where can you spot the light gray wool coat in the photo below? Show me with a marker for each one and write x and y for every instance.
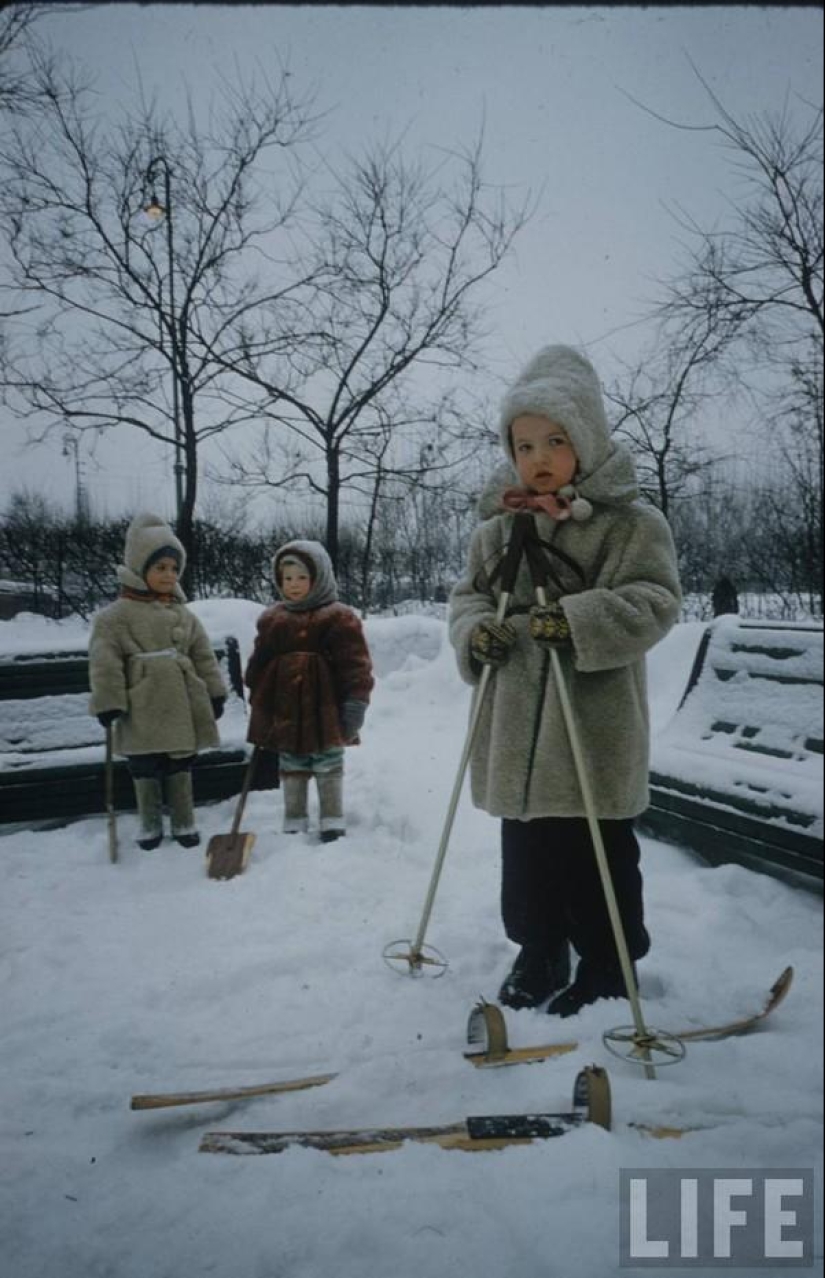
(521, 765)
(153, 660)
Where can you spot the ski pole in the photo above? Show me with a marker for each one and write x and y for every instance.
(414, 956)
(642, 1033)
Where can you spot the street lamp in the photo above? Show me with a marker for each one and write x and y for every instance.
(72, 444)
(157, 211)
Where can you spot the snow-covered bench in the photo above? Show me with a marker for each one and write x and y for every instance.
(737, 773)
(52, 749)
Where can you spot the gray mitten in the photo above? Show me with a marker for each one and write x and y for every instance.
(491, 641)
(352, 718)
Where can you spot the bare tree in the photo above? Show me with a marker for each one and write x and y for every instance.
(761, 274)
(130, 312)
(792, 496)
(754, 287)
(18, 87)
(398, 252)
(658, 405)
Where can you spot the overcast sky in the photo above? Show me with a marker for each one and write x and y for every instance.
(550, 84)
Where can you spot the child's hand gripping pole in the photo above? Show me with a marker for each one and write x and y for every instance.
(411, 956)
(644, 1040)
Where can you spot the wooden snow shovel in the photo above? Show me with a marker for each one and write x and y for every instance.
(227, 854)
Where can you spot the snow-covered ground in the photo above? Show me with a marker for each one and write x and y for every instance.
(147, 977)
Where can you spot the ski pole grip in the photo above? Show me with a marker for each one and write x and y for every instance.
(512, 557)
(533, 555)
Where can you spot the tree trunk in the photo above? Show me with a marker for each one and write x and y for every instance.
(333, 502)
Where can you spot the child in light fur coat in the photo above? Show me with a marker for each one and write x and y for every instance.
(154, 676)
(612, 593)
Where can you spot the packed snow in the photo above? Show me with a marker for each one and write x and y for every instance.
(146, 976)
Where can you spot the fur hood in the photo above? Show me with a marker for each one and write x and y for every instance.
(560, 384)
(146, 535)
(324, 588)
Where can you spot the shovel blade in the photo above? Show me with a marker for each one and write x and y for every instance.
(227, 854)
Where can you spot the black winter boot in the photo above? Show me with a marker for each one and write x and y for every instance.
(534, 976)
(593, 981)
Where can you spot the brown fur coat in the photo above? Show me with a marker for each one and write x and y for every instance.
(304, 666)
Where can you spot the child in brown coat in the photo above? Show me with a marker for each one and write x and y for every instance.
(310, 677)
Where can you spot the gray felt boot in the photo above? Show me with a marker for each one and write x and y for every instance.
(150, 812)
(181, 808)
(294, 785)
(331, 800)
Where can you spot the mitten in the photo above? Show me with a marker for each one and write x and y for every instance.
(491, 641)
(218, 704)
(548, 625)
(108, 716)
(352, 718)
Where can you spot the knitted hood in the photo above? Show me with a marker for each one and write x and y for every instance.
(146, 535)
(562, 385)
(324, 589)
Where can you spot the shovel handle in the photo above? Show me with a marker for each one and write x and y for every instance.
(109, 786)
(247, 781)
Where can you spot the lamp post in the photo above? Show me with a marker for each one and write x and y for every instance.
(157, 212)
(72, 444)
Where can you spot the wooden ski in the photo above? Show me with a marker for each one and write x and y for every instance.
(591, 1104)
(164, 1100)
(487, 1032)
(777, 993)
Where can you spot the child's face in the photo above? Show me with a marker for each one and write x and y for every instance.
(162, 576)
(296, 583)
(543, 454)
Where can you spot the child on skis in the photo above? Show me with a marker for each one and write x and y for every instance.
(310, 676)
(612, 593)
(154, 675)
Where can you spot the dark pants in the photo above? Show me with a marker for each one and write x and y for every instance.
(145, 767)
(551, 889)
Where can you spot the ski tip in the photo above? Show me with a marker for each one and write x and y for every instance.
(781, 986)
